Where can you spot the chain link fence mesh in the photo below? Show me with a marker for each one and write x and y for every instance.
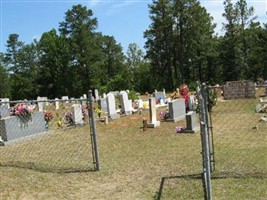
(44, 140)
(239, 128)
(240, 135)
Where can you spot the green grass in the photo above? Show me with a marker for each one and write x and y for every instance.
(155, 164)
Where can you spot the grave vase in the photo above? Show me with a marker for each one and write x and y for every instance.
(24, 118)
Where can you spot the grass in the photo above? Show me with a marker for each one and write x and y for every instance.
(155, 164)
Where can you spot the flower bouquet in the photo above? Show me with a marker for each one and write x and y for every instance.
(21, 110)
(69, 118)
(98, 112)
(48, 116)
(164, 115)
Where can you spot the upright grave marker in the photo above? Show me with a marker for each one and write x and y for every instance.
(239, 90)
(77, 114)
(56, 103)
(14, 127)
(125, 103)
(191, 122)
(5, 101)
(152, 114)
(177, 110)
(40, 104)
(111, 106)
(4, 111)
(96, 95)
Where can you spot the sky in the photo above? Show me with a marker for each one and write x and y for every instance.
(126, 20)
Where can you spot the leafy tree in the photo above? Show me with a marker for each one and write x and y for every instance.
(4, 86)
(160, 44)
(256, 51)
(21, 62)
(113, 58)
(139, 67)
(234, 51)
(78, 30)
(179, 41)
(55, 76)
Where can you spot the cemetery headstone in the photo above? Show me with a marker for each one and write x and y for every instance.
(239, 90)
(65, 98)
(4, 111)
(5, 101)
(152, 114)
(15, 127)
(125, 103)
(96, 95)
(191, 121)
(111, 106)
(56, 103)
(77, 114)
(102, 103)
(45, 99)
(140, 104)
(40, 104)
(191, 103)
(158, 96)
(177, 110)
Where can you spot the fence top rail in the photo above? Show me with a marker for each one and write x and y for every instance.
(42, 101)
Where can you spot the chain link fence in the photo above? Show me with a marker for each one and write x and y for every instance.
(240, 135)
(41, 137)
(234, 147)
(239, 138)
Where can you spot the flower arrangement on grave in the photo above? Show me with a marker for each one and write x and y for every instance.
(98, 112)
(59, 123)
(84, 111)
(164, 115)
(48, 116)
(184, 92)
(21, 109)
(179, 129)
(69, 118)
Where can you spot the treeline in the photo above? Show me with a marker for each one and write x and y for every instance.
(181, 47)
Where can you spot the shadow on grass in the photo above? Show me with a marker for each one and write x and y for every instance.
(32, 166)
(218, 175)
(163, 179)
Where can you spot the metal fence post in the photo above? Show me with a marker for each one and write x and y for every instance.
(205, 141)
(93, 132)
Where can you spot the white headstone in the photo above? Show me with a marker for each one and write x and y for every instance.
(191, 121)
(40, 104)
(177, 110)
(5, 101)
(191, 103)
(111, 106)
(140, 104)
(125, 104)
(65, 98)
(77, 113)
(153, 114)
(56, 103)
(96, 95)
(45, 100)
